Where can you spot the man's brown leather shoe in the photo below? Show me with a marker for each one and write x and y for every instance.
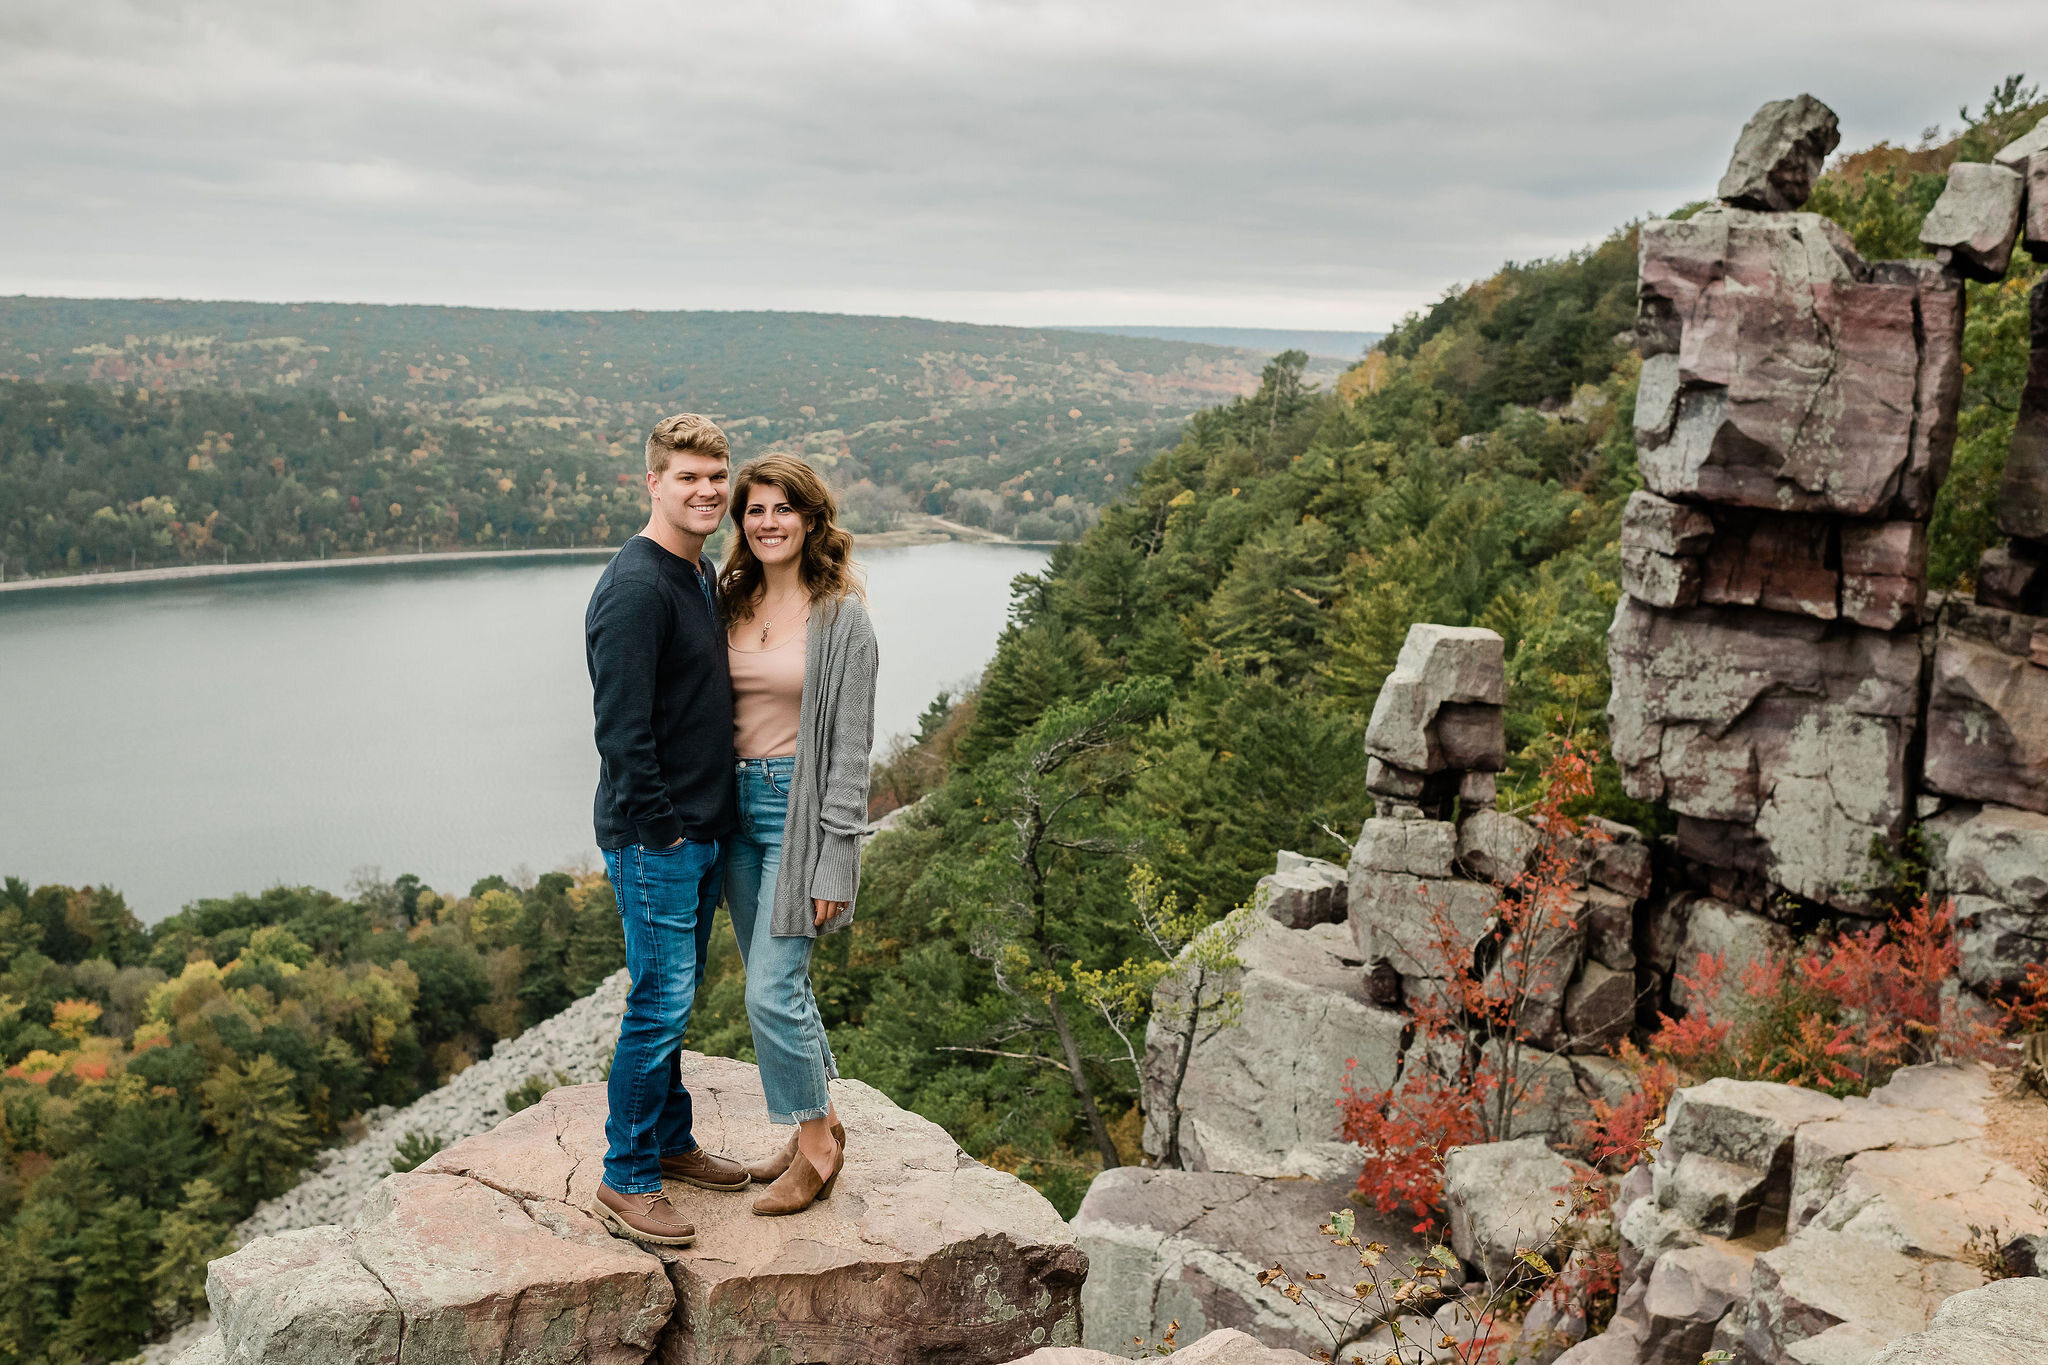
(642, 1217)
(769, 1169)
(704, 1170)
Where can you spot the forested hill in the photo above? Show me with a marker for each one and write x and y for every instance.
(1186, 690)
(988, 424)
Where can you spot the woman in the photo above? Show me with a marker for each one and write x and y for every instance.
(803, 682)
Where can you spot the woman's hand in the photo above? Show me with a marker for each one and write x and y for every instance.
(824, 910)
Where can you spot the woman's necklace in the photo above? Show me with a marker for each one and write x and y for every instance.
(768, 624)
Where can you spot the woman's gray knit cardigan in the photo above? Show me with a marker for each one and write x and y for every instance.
(828, 798)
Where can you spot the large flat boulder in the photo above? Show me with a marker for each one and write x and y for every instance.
(487, 1252)
(1187, 1246)
(466, 1264)
(302, 1296)
(1260, 1096)
(1928, 1201)
(1821, 1151)
(1822, 1280)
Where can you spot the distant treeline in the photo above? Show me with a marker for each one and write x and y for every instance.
(482, 424)
(98, 478)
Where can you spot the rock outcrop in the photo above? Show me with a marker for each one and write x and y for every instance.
(487, 1252)
(1187, 1246)
(1786, 1226)
(1436, 734)
(1794, 420)
(1258, 1096)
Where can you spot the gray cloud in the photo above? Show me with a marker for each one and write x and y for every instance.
(1285, 163)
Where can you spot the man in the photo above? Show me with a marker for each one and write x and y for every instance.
(665, 803)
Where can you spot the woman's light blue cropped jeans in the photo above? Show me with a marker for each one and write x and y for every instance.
(789, 1038)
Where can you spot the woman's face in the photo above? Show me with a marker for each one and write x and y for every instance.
(775, 531)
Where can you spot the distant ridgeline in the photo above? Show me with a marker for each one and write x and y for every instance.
(286, 431)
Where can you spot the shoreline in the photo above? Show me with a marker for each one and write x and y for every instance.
(905, 538)
(185, 572)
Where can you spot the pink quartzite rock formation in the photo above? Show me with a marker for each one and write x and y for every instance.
(486, 1253)
(1795, 419)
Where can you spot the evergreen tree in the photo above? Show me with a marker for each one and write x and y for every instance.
(260, 1127)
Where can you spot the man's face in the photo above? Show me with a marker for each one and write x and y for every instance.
(691, 494)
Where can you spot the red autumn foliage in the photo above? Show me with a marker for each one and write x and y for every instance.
(1839, 1015)
(1404, 1136)
(1466, 1078)
(2027, 1009)
(1617, 1135)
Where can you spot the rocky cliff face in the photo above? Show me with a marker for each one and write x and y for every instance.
(1781, 680)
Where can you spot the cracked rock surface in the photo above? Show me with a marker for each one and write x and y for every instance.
(1188, 1246)
(1225, 1346)
(1795, 1229)
(1260, 1097)
(487, 1253)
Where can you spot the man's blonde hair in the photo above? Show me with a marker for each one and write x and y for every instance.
(684, 431)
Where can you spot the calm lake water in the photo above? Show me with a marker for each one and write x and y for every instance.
(200, 739)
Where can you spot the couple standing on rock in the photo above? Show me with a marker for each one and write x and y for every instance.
(735, 715)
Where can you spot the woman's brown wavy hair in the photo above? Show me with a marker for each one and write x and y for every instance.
(827, 565)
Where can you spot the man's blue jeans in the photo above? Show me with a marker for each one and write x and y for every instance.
(789, 1038)
(665, 899)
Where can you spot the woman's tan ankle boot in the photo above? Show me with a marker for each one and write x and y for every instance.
(771, 1168)
(797, 1188)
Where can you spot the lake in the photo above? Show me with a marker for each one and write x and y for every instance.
(203, 738)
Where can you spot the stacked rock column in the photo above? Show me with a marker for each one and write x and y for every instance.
(1794, 421)
(1987, 713)
(1428, 871)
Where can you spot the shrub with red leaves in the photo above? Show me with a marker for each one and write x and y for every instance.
(1470, 1072)
(1840, 1015)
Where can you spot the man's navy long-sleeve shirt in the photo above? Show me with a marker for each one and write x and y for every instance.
(663, 698)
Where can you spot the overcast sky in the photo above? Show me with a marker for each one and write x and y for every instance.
(1258, 163)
